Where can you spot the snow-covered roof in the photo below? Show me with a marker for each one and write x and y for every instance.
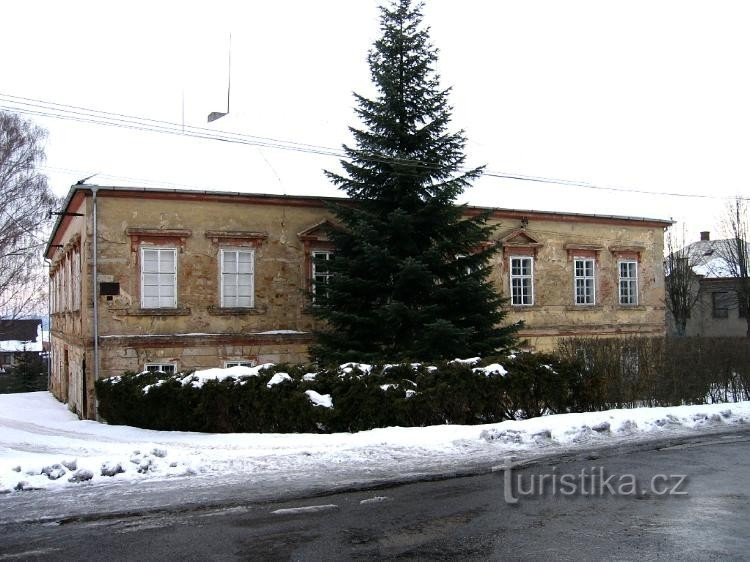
(20, 335)
(708, 258)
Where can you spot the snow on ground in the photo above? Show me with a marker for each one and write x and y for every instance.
(45, 447)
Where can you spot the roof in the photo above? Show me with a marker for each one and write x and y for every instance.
(19, 330)
(20, 335)
(708, 258)
(79, 191)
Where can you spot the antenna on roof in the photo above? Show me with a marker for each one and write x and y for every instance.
(84, 180)
(214, 115)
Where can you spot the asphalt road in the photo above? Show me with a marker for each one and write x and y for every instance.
(686, 501)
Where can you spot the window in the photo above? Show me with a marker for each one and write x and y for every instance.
(522, 281)
(628, 282)
(158, 278)
(237, 284)
(76, 265)
(585, 286)
(321, 275)
(721, 302)
(228, 364)
(166, 368)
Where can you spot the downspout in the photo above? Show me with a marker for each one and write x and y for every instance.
(95, 293)
(48, 262)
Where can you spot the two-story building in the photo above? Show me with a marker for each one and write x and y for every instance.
(173, 280)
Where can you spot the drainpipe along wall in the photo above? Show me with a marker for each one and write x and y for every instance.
(95, 292)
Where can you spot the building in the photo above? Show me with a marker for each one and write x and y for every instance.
(189, 279)
(16, 337)
(718, 310)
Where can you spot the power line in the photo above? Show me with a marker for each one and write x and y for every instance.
(80, 114)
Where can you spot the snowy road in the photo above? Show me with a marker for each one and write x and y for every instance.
(54, 467)
(472, 518)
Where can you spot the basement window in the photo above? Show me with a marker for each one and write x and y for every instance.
(166, 368)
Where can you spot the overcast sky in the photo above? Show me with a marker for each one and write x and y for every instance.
(649, 96)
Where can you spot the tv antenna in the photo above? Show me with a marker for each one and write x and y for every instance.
(214, 115)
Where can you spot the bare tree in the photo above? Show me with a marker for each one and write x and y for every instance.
(735, 253)
(681, 282)
(25, 203)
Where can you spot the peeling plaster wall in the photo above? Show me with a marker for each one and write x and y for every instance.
(198, 333)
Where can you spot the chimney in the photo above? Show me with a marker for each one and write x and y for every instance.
(705, 235)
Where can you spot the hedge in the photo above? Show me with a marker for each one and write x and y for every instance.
(583, 375)
(384, 395)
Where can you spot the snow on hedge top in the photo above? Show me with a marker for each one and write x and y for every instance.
(494, 369)
(469, 361)
(199, 378)
(349, 367)
(277, 378)
(317, 399)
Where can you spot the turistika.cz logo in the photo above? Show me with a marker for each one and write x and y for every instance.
(591, 481)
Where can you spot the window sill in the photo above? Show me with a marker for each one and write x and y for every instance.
(234, 311)
(159, 312)
(524, 307)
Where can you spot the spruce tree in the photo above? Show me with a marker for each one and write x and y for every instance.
(410, 269)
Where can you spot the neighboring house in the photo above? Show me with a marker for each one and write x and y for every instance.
(718, 310)
(16, 337)
(189, 280)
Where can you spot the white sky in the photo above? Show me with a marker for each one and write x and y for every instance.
(641, 95)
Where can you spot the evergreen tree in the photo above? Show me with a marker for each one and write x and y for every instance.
(410, 270)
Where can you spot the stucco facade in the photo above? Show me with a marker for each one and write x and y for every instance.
(231, 273)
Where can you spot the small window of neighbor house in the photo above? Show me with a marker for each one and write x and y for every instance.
(721, 302)
(166, 368)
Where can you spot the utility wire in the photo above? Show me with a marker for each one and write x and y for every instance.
(80, 114)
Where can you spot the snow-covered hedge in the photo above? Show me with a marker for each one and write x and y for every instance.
(585, 375)
(352, 397)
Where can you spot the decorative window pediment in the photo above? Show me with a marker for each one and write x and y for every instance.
(576, 250)
(317, 232)
(236, 237)
(520, 241)
(158, 236)
(628, 251)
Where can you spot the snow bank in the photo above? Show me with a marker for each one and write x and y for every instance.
(44, 446)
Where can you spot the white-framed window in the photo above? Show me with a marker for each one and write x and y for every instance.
(628, 282)
(522, 280)
(321, 274)
(158, 278)
(237, 277)
(240, 363)
(167, 368)
(68, 277)
(585, 280)
(76, 266)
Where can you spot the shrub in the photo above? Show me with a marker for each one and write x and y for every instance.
(584, 375)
